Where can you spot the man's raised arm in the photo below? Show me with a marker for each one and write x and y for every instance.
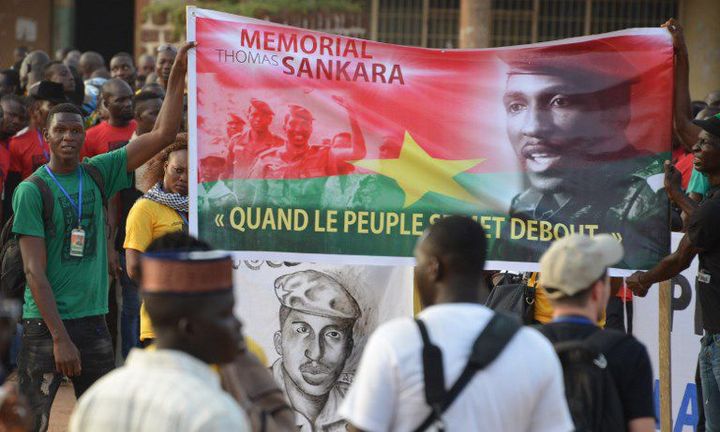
(144, 147)
(357, 151)
(682, 111)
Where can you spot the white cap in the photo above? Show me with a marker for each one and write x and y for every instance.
(574, 262)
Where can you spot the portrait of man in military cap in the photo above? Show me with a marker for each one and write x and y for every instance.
(567, 113)
(317, 316)
(245, 146)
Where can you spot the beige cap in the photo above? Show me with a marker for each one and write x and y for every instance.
(573, 263)
(316, 293)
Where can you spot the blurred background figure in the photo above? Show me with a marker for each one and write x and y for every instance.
(145, 67)
(165, 59)
(31, 69)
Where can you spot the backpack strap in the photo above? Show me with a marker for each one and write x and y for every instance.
(48, 203)
(487, 347)
(433, 372)
(99, 180)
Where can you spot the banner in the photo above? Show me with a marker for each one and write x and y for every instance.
(686, 331)
(316, 147)
(313, 321)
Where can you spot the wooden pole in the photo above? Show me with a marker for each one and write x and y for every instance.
(475, 23)
(374, 18)
(664, 325)
(424, 33)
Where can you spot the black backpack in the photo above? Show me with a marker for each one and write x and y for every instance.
(487, 347)
(12, 271)
(590, 389)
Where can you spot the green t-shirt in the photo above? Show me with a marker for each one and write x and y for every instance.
(80, 284)
(699, 183)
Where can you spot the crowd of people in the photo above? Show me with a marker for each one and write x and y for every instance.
(94, 181)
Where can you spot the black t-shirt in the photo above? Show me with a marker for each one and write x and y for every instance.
(628, 362)
(704, 233)
(125, 199)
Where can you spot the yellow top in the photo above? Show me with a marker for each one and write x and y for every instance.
(254, 348)
(146, 222)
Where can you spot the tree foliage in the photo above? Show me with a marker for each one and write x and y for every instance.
(174, 10)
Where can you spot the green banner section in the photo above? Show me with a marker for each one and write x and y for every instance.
(325, 215)
(331, 215)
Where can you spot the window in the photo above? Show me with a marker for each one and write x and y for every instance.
(527, 21)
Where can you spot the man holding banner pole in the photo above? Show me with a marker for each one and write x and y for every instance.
(703, 238)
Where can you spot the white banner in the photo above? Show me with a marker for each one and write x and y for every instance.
(314, 345)
(685, 342)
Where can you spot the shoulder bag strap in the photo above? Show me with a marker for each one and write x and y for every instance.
(97, 177)
(487, 347)
(48, 203)
(433, 370)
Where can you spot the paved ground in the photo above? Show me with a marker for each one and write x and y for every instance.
(63, 406)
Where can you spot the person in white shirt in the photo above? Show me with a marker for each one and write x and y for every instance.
(520, 391)
(189, 297)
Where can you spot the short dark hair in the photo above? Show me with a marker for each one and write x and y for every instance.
(47, 73)
(461, 243)
(14, 98)
(123, 54)
(62, 108)
(108, 86)
(145, 96)
(178, 242)
(140, 98)
(12, 76)
(153, 88)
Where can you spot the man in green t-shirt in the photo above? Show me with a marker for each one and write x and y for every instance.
(64, 330)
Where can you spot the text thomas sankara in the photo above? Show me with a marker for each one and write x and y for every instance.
(260, 46)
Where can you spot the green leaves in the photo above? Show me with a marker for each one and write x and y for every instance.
(275, 10)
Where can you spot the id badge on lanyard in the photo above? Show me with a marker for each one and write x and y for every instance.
(77, 242)
(77, 235)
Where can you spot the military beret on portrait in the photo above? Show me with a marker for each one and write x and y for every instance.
(260, 106)
(597, 63)
(316, 293)
(301, 112)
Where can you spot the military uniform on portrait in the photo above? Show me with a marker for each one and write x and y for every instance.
(628, 200)
(328, 420)
(317, 316)
(315, 166)
(246, 148)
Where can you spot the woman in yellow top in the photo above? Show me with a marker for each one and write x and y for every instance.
(163, 209)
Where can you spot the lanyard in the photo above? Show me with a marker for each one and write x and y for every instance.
(574, 319)
(78, 206)
(182, 216)
(42, 147)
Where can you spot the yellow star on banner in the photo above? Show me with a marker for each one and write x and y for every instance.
(418, 173)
